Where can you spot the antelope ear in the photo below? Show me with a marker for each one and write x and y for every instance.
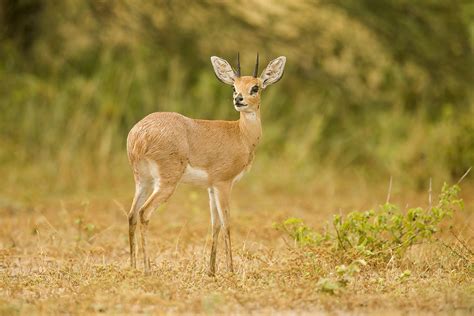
(223, 70)
(273, 72)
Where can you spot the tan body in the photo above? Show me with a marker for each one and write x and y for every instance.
(165, 149)
(222, 149)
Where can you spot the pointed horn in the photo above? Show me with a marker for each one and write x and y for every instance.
(255, 72)
(238, 65)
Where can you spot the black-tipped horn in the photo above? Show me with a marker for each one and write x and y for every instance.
(255, 72)
(238, 65)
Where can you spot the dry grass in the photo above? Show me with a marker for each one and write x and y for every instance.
(70, 255)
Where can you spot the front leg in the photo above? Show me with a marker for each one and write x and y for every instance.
(222, 195)
(216, 227)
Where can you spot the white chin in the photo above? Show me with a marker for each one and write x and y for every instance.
(241, 108)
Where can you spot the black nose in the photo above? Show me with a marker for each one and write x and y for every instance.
(239, 98)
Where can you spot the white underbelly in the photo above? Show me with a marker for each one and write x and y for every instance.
(195, 176)
(239, 176)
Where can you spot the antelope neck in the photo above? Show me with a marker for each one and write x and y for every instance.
(250, 128)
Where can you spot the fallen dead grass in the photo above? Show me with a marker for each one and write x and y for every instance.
(71, 256)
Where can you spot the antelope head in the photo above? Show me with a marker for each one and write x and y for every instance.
(247, 89)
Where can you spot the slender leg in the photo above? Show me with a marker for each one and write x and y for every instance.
(215, 230)
(222, 194)
(143, 230)
(145, 214)
(165, 178)
(141, 193)
(159, 195)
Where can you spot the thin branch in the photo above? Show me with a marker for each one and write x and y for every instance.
(462, 242)
(429, 195)
(389, 190)
(464, 175)
(286, 243)
(179, 236)
(120, 206)
(455, 252)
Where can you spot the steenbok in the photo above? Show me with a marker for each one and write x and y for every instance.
(165, 149)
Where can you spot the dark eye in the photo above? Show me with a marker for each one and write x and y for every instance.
(233, 89)
(254, 90)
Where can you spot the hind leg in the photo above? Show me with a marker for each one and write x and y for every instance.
(164, 184)
(156, 199)
(141, 193)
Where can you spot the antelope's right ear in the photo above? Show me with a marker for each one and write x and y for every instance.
(223, 70)
(273, 72)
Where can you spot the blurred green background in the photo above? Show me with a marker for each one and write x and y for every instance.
(373, 88)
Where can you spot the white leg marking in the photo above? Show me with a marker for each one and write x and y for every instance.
(139, 187)
(219, 207)
(141, 192)
(212, 205)
(155, 174)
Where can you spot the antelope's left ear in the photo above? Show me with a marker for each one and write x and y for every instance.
(273, 72)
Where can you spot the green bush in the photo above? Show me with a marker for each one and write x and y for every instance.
(380, 233)
(372, 237)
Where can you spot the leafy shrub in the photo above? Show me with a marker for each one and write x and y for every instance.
(375, 235)
(388, 229)
(299, 232)
(378, 233)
